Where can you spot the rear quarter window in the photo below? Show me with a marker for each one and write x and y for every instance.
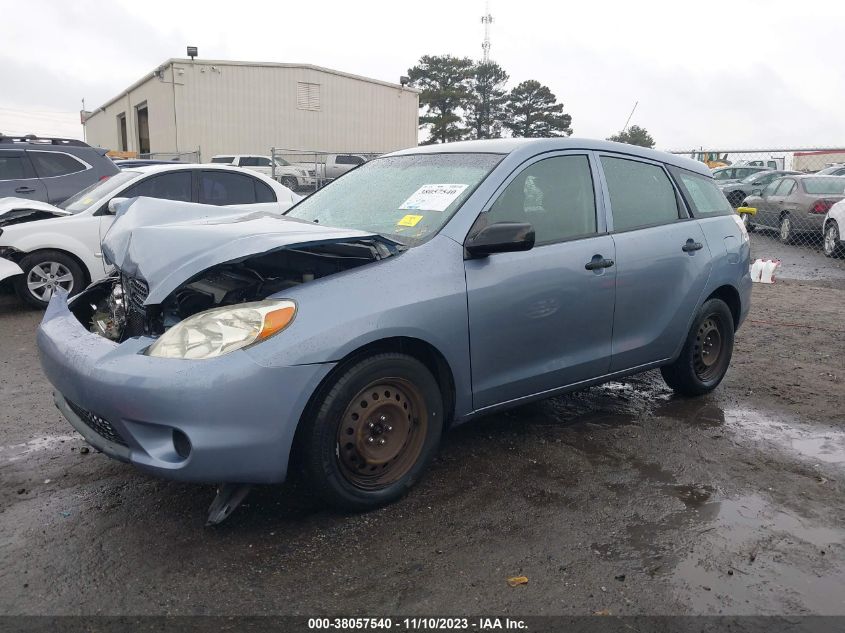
(703, 196)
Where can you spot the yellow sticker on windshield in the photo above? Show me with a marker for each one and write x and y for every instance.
(410, 220)
(88, 201)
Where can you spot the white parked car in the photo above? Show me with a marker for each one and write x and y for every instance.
(833, 230)
(291, 176)
(44, 247)
(335, 165)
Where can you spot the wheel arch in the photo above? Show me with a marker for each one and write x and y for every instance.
(423, 351)
(730, 296)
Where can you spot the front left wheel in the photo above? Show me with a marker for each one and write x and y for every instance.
(373, 432)
(706, 354)
(46, 271)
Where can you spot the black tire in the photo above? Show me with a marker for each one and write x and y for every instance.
(290, 182)
(786, 230)
(736, 198)
(346, 457)
(833, 246)
(698, 370)
(36, 265)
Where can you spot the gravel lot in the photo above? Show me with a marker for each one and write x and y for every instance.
(620, 499)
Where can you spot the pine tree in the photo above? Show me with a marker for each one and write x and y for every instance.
(445, 84)
(485, 111)
(532, 110)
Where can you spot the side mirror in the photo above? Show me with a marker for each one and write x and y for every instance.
(501, 237)
(114, 203)
(756, 192)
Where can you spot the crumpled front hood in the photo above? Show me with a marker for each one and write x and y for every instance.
(165, 243)
(19, 210)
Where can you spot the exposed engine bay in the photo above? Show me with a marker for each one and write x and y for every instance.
(114, 307)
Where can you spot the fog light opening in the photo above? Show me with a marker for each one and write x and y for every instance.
(181, 443)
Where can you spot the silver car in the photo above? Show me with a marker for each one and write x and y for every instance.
(795, 204)
(737, 191)
(424, 289)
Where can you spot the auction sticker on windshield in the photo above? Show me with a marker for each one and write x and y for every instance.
(432, 197)
(410, 220)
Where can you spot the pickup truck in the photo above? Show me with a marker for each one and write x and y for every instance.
(335, 165)
(291, 176)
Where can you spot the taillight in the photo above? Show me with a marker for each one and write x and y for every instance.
(821, 206)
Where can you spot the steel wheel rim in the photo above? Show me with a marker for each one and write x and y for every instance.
(45, 278)
(785, 229)
(830, 238)
(707, 351)
(381, 433)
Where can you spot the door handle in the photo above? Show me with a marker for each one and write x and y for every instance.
(24, 190)
(691, 246)
(598, 262)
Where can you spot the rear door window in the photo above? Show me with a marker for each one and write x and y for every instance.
(52, 164)
(641, 194)
(222, 188)
(11, 167)
(785, 187)
(170, 186)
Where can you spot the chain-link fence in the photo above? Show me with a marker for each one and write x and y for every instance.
(178, 157)
(306, 170)
(790, 201)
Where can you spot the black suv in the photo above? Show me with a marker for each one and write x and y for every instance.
(49, 169)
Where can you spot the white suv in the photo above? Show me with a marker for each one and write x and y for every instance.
(45, 247)
(291, 176)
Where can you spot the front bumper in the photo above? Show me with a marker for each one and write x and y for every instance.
(8, 268)
(238, 416)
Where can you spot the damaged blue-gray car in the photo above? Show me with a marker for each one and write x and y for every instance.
(428, 287)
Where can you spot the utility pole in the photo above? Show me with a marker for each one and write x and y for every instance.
(486, 20)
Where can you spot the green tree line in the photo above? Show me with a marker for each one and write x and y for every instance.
(462, 99)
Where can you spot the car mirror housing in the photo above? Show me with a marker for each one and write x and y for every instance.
(501, 237)
(114, 203)
(756, 192)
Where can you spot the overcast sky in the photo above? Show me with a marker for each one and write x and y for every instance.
(737, 74)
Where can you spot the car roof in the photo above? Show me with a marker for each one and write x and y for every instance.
(150, 169)
(531, 146)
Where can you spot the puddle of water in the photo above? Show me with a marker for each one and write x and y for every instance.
(16, 452)
(820, 444)
(751, 551)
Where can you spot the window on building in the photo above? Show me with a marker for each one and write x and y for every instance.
(222, 188)
(175, 185)
(50, 164)
(122, 135)
(11, 167)
(641, 194)
(554, 195)
(143, 129)
(307, 96)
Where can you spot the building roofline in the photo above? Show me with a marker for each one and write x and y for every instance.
(222, 62)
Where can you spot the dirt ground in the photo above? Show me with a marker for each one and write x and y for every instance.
(620, 499)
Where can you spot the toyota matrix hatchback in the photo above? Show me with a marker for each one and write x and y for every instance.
(423, 289)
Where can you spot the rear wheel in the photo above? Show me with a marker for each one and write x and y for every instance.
(706, 354)
(736, 198)
(373, 433)
(833, 246)
(289, 182)
(787, 232)
(44, 272)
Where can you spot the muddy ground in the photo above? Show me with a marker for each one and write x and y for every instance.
(621, 499)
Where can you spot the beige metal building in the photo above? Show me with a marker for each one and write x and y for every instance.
(220, 107)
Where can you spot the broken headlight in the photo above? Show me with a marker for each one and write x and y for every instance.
(219, 331)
